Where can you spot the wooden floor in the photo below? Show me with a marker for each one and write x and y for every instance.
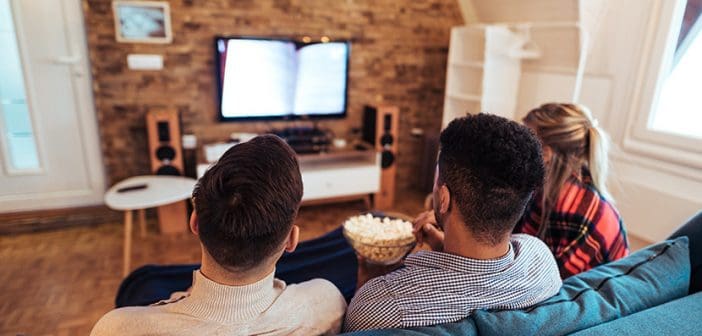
(636, 243)
(62, 282)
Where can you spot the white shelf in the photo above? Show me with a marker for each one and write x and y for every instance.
(529, 25)
(455, 108)
(467, 44)
(465, 80)
(467, 64)
(485, 62)
(465, 96)
(549, 69)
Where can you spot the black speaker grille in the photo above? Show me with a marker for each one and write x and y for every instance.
(387, 122)
(168, 170)
(387, 158)
(386, 139)
(165, 153)
(369, 115)
(164, 132)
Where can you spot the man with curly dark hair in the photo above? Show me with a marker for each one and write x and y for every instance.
(487, 170)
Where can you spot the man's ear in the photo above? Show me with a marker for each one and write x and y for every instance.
(444, 199)
(194, 228)
(547, 153)
(293, 239)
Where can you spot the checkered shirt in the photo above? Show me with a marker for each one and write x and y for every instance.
(436, 287)
(585, 230)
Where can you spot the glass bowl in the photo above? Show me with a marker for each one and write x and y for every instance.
(381, 252)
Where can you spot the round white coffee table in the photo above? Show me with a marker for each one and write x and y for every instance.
(143, 192)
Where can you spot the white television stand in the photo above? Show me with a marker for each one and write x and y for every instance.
(337, 175)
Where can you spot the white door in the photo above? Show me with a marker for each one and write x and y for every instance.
(49, 148)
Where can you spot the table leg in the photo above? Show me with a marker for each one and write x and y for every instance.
(142, 222)
(368, 201)
(127, 242)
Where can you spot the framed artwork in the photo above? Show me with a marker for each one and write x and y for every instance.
(142, 21)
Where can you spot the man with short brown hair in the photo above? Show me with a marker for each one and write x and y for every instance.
(245, 206)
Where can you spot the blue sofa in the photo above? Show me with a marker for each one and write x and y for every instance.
(655, 291)
(646, 293)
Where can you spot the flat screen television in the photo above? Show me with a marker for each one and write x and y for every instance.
(270, 78)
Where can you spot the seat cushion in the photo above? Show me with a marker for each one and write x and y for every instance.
(655, 275)
(465, 327)
(679, 317)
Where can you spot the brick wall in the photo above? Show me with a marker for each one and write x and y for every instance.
(399, 50)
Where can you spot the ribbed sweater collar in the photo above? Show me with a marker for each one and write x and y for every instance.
(229, 304)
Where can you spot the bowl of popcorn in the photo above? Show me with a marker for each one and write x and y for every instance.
(382, 239)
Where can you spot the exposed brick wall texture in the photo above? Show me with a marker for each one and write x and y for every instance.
(398, 56)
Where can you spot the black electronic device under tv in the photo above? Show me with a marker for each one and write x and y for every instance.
(277, 78)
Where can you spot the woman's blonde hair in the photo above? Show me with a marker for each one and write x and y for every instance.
(576, 141)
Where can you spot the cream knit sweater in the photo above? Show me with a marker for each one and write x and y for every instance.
(267, 307)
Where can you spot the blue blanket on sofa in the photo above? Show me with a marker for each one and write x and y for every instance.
(329, 257)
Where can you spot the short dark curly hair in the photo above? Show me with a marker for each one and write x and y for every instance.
(491, 167)
(246, 203)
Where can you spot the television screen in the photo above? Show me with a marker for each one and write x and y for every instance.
(281, 79)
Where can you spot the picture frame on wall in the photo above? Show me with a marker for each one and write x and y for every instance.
(142, 21)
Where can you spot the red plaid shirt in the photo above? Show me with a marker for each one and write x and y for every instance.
(585, 230)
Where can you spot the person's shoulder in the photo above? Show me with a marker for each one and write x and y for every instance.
(123, 321)
(578, 190)
(528, 247)
(533, 251)
(318, 287)
(587, 198)
(529, 241)
(372, 307)
(320, 300)
(374, 295)
(608, 212)
(319, 293)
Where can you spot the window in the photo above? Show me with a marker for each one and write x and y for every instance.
(679, 108)
(664, 115)
(17, 143)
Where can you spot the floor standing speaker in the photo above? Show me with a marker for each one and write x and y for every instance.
(380, 128)
(166, 157)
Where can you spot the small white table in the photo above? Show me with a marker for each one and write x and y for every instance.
(160, 190)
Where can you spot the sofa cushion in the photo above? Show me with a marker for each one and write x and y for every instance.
(647, 278)
(464, 327)
(672, 317)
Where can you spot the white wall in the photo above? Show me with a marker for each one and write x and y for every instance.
(654, 196)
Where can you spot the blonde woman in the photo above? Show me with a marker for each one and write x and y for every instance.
(574, 214)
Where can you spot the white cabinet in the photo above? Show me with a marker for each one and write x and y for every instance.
(336, 175)
(464, 75)
(333, 182)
